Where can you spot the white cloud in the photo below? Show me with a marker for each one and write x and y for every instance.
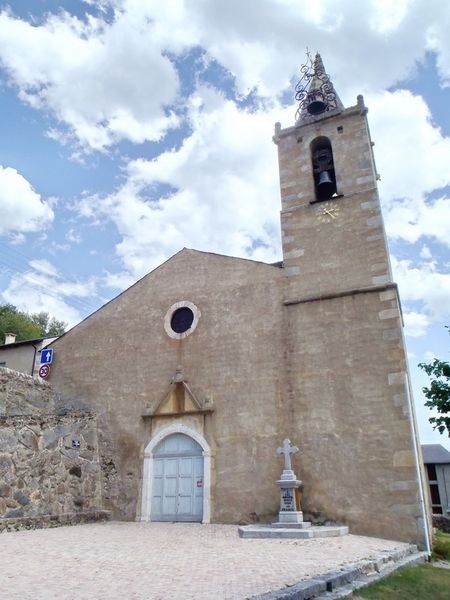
(438, 41)
(44, 266)
(416, 324)
(105, 82)
(425, 253)
(412, 218)
(414, 152)
(111, 79)
(224, 194)
(412, 156)
(386, 16)
(29, 297)
(41, 288)
(22, 209)
(73, 236)
(227, 194)
(120, 281)
(260, 41)
(425, 286)
(16, 239)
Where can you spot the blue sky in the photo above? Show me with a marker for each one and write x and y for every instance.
(131, 129)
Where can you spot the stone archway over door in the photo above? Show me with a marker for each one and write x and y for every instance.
(165, 455)
(177, 490)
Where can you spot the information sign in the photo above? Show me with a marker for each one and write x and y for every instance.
(47, 356)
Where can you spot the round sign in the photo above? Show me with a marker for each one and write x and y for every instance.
(44, 371)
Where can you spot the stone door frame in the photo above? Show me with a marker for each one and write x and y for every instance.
(147, 479)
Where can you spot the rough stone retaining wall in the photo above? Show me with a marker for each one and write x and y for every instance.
(21, 394)
(49, 467)
(49, 521)
(441, 522)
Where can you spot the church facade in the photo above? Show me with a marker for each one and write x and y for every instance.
(199, 370)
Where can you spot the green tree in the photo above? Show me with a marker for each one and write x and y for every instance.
(48, 325)
(438, 394)
(27, 327)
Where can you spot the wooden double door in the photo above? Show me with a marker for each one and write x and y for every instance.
(177, 490)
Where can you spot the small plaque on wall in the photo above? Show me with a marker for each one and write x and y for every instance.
(287, 500)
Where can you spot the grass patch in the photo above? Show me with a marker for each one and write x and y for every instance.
(423, 582)
(441, 546)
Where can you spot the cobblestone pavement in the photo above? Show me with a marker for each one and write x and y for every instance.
(155, 561)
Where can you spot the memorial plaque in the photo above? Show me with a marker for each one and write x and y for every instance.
(287, 500)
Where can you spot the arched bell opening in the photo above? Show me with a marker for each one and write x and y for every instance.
(323, 169)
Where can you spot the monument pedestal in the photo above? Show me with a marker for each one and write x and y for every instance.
(301, 525)
(290, 522)
(289, 485)
(290, 518)
(298, 531)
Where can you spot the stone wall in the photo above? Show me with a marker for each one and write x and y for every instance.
(346, 384)
(20, 394)
(328, 374)
(356, 442)
(441, 522)
(48, 462)
(232, 359)
(346, 250)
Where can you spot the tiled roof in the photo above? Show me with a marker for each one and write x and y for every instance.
(435, 454)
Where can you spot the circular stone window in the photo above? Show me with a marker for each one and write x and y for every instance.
(181, 319)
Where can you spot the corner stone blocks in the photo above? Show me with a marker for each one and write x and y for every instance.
(349, 251)
(346, 379)
(347, 386)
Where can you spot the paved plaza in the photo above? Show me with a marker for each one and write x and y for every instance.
(156, 561)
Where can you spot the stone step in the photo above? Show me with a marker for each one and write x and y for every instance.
(343, 583)
(303, 525)
(363, 580)
(267, 531)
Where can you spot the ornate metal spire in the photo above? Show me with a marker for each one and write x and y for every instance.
(315, 92)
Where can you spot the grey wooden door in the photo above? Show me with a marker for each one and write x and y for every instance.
(177, 491)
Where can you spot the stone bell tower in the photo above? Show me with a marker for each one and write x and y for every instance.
(332, 230)
(347, 390)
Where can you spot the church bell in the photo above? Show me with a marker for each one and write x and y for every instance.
(323, 167)
(325, 186)
(325, 179)
(315, 103)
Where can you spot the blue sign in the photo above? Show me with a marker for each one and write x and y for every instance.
(47, 356)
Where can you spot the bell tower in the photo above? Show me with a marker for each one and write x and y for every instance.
(346, 385)
(332, 231)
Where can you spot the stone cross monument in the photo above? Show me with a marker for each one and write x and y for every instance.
(288, 483)
(287, 449)
(290, 522)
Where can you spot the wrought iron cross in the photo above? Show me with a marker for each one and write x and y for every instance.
(287, 449)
